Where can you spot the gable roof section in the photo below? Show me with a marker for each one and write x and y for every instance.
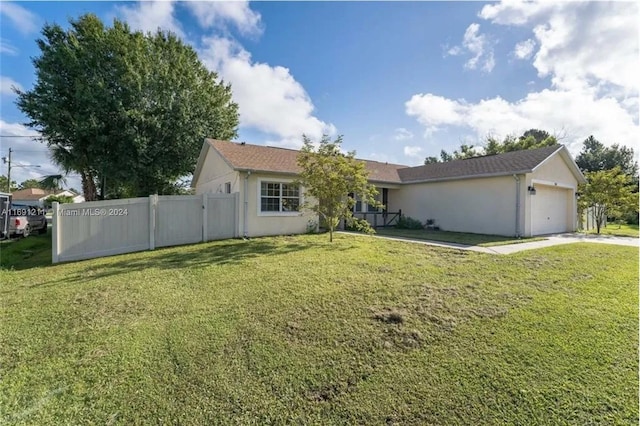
(268, 159)
(515, 162)
(258, 158)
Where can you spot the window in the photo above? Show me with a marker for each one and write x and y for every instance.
(279, 197)
(361, 206)
(227, 188)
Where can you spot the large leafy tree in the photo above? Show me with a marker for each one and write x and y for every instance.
(608, 193)
(329, 176)
(127, 111)
(595, 157)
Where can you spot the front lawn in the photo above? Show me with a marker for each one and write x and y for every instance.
(617, 230)
(21, 253)
(297, 330)
(455, 237)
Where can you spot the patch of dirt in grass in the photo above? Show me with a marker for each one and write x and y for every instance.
(106, 307)
(429, 312)
(389, 316)
(330, 391)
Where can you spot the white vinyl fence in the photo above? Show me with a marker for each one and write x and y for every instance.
(104, 228)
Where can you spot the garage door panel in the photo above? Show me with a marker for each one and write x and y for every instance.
(549, 210)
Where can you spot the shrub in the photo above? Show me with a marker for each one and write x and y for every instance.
(406, 222)
(312, 226)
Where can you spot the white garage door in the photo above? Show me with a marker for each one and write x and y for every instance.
(549, 210)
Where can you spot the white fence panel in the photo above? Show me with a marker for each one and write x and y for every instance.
(103, 228)
(178, 220)
(100, 228)
(221, 216)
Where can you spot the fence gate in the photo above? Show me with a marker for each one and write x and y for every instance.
(103, 228)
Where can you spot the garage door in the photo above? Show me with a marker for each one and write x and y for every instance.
(549, 210)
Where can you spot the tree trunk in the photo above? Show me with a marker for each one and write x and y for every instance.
(88, 186)
(330, 233)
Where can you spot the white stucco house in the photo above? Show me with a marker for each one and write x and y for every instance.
(521, 193)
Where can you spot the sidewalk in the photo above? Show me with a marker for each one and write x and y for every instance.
(552, 240)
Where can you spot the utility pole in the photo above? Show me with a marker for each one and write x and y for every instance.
(8, 162)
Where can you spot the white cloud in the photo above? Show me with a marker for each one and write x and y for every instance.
(269, 98)
(579, 41)
(576, 113)
(25, 21)
(478, 46)
(6, 85)
(413, 151)
(455, 51)
(218, 13)
(515, 13)
(8, 48)
(524, 49)
(589, 49)
(402, 134)
(149, 16)
(433, 111)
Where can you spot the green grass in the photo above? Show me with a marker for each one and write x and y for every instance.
(297, 330)
(21, 253)
(455, 237)
(617, 230)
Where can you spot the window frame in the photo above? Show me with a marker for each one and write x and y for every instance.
(279, 181)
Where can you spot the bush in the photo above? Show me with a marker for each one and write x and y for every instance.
(359, 225)
(406, 222)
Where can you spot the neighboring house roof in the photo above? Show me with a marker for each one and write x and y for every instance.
(38, 194)
(240, 156)
(31, 194)
(259, 158)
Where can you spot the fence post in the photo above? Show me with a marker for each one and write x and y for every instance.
(205, 215)
(153, 201)
(236, 213)
(55, 229)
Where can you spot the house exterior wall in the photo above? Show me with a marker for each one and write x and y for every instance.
(553, 172)
(215, 173)
(260, 224)
(480, 205)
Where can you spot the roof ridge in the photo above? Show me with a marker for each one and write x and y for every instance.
(241, 143)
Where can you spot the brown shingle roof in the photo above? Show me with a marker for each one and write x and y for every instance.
(30, 194)
(282, 160)
(489, 165)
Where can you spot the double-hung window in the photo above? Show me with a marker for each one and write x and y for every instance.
(279, 197)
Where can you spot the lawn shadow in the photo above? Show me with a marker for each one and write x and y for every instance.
(229, 252)
(25, 253)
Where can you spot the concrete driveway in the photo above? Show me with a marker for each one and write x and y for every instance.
(552, 240)
(556, 239)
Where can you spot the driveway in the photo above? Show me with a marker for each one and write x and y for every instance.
(557, 239)
(552, 240)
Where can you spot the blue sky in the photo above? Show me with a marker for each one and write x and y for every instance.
(400, 80)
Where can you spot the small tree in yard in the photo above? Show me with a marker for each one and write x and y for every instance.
(608, 193)
(329, 176)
